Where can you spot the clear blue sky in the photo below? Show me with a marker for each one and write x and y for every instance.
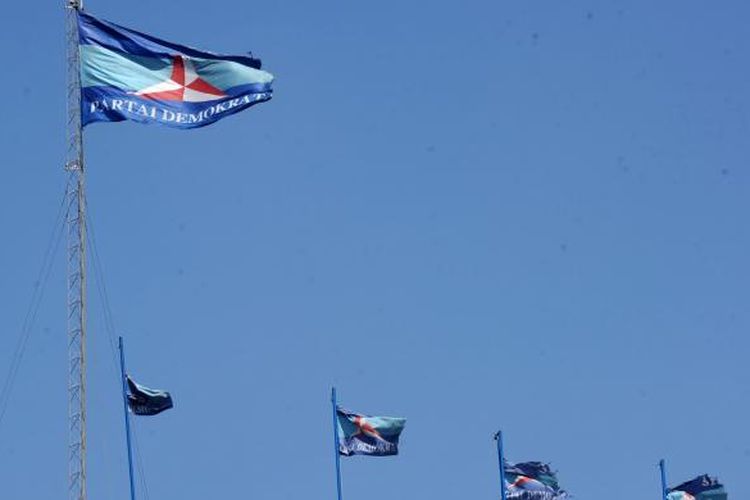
(478, 214)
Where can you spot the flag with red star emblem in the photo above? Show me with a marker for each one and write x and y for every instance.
(532, 481)
(366, 435)
(128, 75)
(702, 487)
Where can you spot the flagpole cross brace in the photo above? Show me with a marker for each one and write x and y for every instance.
(73, 166)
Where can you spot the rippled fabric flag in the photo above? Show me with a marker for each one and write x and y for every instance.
(145, 401)
(702, 487)
(532, 481)
(366, 435)
(128, 75)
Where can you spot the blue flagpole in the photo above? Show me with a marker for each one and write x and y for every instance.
(127, 418)
(336, 442)
(501, 461)
(664, 487)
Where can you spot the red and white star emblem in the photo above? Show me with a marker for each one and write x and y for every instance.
(366, 428)
(183, 85)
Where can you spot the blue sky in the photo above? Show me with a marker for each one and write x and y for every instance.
(526, 215)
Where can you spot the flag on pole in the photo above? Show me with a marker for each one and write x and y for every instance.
(532, 481)
(701, 488)
(366, 435)
(128, 75)
(145, 401)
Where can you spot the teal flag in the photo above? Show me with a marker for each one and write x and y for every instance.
(366, 435)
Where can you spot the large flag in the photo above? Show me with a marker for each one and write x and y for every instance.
(701, 488)
(128, 75)
(366, 435)
(532, 481)
(145, 401)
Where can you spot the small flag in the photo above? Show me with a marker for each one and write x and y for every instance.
(532, 481)
(366, 435)
(128, 75)
(701, 488)
(145, 401)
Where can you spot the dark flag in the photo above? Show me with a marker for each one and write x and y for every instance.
(366, 435)
(702, 487)
(532, 481)
(145, 401)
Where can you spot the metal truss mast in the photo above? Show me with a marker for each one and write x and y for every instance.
(76, 244)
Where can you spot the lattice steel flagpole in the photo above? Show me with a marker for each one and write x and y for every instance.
(76, 222)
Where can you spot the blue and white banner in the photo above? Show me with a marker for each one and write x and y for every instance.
(128, 75)
(365, 435)
(532, 481)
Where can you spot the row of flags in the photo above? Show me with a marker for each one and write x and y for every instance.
(129, 75)
(360, 434)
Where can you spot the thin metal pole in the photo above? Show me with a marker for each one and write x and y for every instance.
(127, 417)
(501, 463)
(664, 487)
(336, 451)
